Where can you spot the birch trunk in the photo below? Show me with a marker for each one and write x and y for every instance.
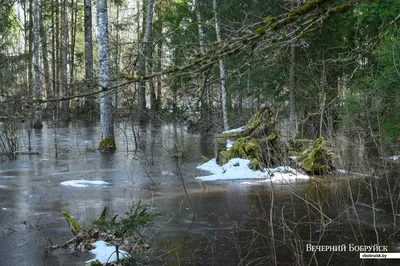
(221, 71)
(36, 42)
(142, 59)
(204, 111)
(106, 97)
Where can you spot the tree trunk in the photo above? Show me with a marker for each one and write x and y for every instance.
(142, 60)
(43, 38)
(106, 97)
(30, 41)
(65, 104)
(151, 82)
(221, 71)
(159, 66)
(74, 15)
(89, 102)
(292, 100)
(292, 87)
(36, 42)
(204, 110)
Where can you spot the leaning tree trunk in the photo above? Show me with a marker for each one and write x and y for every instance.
(292, 85)
(142, 60)
(36, 42)
(106, 96)
(221, 70)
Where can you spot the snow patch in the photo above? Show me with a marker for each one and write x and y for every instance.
(83, 183)
(104, 253)
(229, 144)
(394, 157)
(236, 130)
(239, 169)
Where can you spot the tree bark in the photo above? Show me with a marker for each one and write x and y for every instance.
(36, 42)
(89, 103)
(221, 71)
(74, 15)
(43, 38)
(106, 97)
(292, 100)
(204, 111)
(142, 59)
(30, 41)
(65, 104)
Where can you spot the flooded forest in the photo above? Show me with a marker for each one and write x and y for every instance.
(199, 132)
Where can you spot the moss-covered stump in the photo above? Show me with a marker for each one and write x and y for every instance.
(317, 160)
(262, 124)
(262, 152)
(259, 131)
(107, 145)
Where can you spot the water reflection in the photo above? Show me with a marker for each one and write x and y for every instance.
(234, 223)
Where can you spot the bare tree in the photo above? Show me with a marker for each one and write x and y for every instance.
(89, 103)
(143, 57)
(292, 85)
(36, 43)
(65, 104)
(106, 96)
(221, 70)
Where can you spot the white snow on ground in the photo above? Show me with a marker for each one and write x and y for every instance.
(235, 130)
(105, 253)
(394, 157)
(83, 183)
(239, 169)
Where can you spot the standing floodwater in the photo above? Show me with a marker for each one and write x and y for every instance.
(235, 223)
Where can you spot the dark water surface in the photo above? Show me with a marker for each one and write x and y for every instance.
(232, 224)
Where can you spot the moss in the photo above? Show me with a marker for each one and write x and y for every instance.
(341, 8)
(225, 155)
(272, 137)
(255, 164)
(268, 19)
(309, 5)
(245, 148)
(96, 263)
(89, 246)
(255, 123)
(260, 31)
(204, 159)
(319, 160)
(72, 222)
(107, 144)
